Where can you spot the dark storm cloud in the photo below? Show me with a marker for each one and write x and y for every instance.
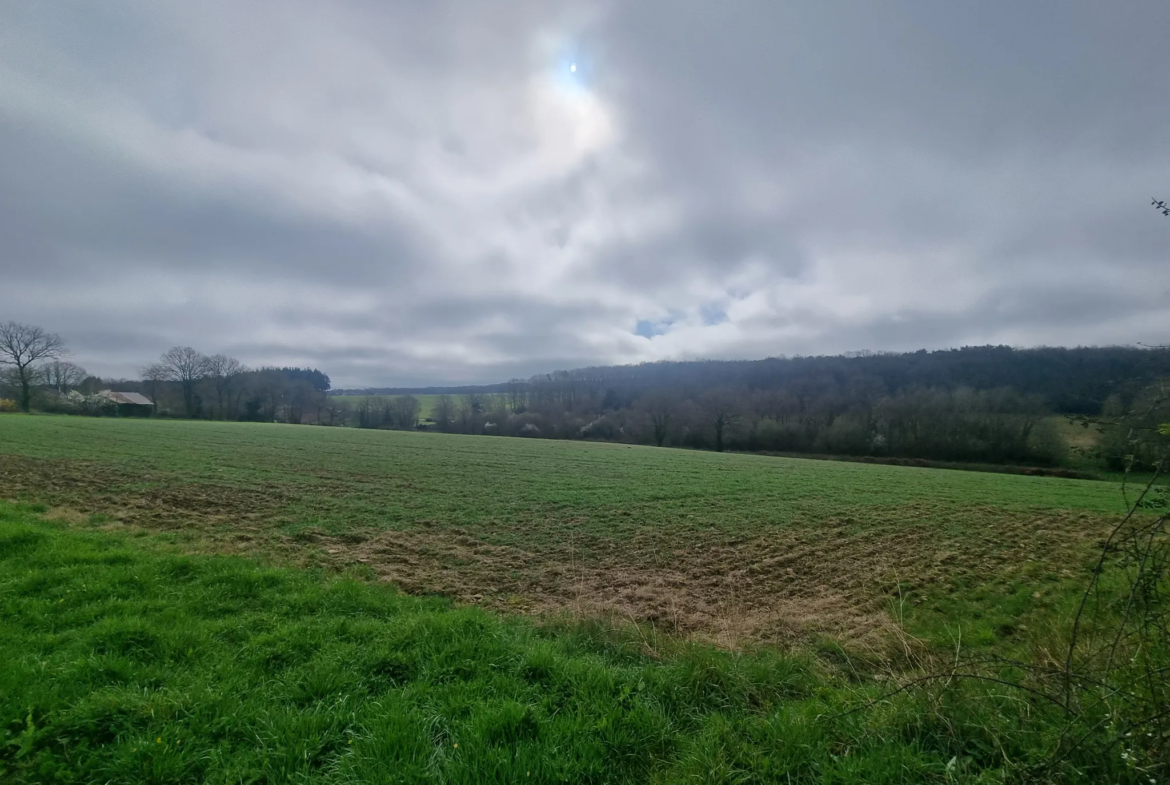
(402, 193)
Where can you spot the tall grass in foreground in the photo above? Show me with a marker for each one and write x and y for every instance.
(123, 661)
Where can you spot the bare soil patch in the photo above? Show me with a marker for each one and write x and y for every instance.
(149, 499)
(834, 578)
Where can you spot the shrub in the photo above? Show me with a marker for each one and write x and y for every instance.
(602, 428)
(848, 435)
(75, 402)
(7, 405)
(1047, 445)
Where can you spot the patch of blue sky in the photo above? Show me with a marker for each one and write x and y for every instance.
(712, 314)
(649, 329)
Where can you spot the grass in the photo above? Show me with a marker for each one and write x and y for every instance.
(128, 661)
(733, 549)
(426, 402)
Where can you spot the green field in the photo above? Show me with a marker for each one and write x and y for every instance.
(426, 402)
(731, 548)
(812, 578)
(126, 661)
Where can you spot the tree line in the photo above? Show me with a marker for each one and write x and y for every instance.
(35, 372)
(1070, 381)
(220, 387)
(966, 425)
(976, 404)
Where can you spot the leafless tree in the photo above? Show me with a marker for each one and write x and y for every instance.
(223, 372)
(22, 346)
(444, 412)
(155, 375)
(337, 408)
(471, 411)
(517, 395)
(63, 376)
(660, 407)
(497, 409)
(722, 412)
(404, 411)
(188, 367)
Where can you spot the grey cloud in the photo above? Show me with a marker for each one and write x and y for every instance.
(71, 211)
(402, 193)
(712, 245)
(967, 79)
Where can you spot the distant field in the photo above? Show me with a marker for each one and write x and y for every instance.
(1080, 438)
(426, 402)
(729, 548)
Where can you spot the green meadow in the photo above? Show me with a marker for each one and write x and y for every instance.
(426, 402)
(215, 602)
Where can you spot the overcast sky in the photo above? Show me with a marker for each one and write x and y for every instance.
(413, 192)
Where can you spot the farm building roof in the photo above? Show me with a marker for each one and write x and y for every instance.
(127, 397)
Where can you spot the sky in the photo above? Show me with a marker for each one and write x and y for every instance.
(404, 193)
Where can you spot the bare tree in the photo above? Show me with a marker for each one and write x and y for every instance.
(223, 371)
(471, 411)
(660, 406)
(188, 367)
(722, 412)
(404, 412)
(336, 407)
(63, 376)
(22, 346)
(155, 375)
(443, 412)
(517, 396)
